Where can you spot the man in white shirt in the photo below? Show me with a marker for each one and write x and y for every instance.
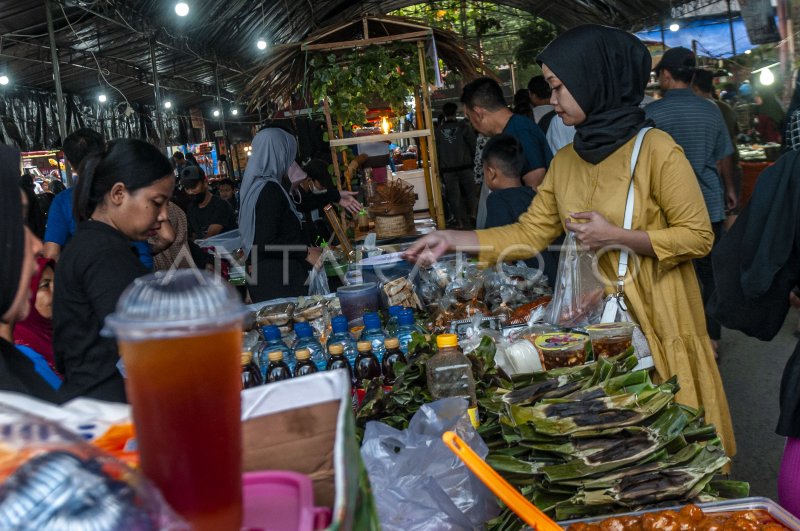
(539, 92)
(559, 134)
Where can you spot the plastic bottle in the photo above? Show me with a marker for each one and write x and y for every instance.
(304, 364)
(405, 328)
(251, 375)
(393, 355)
(449, 373)
(338, 360)
(306, 339)
(367, 365)
(277, 369)
(392, 322)
(374, 334)
(273, 342)
(341, 336)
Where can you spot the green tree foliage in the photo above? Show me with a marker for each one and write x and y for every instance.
(533, 39)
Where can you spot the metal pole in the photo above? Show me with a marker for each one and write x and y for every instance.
(224, 141)
(157, 90)
(62, 112)
(663, 42)
(730, 26)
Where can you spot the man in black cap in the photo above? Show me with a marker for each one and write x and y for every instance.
(208, 215)
(696, 124)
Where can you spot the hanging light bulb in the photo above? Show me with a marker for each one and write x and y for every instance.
(102, 98)
(748, 52)
(216, 113)
(261, 44)
(4, 80)
(766, 77)
(167, 104)
(674, 26)
(181, 9)
(235, 112)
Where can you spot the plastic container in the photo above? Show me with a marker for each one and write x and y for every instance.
(304, 364)
(781, 515)
(277, 370)
(373, 332)
(449, 373)
(367, 365)
(273, 342)
(278, 501)
(341, 336)
(305, 339)
(337, 360)
(358, 299)
(562, 349)
(251, 374)
(610, 339)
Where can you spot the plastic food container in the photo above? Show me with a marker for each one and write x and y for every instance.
(562, 349)
(610, 339)
(778, 513)
(358, 299)
(281, 501)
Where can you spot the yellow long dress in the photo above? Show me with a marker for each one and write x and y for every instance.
(663, 295)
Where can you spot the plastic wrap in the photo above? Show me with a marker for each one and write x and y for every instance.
(419, 484)
(51, 479)
(578, 297)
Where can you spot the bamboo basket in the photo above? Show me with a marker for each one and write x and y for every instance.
(391, 226)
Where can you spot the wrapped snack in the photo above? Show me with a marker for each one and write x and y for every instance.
(526, 313)
(314, 312)
(401, 292)
(279, 315)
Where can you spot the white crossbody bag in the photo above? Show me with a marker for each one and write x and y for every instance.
(615, 309)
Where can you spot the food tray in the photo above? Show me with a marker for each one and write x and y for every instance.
(780, 514)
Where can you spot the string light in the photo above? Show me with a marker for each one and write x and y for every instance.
(181, 9)
(235, 112)
(674, 26)
(102, 98)
(766, 77)
(216, 113)
(4, 80)
(167, 104)
(262, 44)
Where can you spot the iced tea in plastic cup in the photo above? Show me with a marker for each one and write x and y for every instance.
(180, 339)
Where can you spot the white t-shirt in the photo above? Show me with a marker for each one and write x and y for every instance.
(541, 110)
(559, 134)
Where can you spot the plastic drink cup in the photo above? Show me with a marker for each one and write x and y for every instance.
(180, 338)
(610, 339)
(358, 299)
(562, 349)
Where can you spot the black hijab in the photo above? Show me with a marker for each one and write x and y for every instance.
(606, 70)
(12, 232)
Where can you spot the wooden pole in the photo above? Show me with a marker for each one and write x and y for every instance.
(432, 172)
(336, 169)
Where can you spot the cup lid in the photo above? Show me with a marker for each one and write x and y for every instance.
(174, 303)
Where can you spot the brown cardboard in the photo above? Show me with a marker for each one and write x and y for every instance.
(301, 440)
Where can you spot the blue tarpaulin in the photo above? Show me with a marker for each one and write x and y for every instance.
(713, 36)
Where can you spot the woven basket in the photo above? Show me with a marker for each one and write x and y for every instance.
(392, 226)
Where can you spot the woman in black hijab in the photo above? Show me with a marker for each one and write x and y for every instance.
(598, 76)
(18, 250)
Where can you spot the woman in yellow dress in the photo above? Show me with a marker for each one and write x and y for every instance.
(598, 76)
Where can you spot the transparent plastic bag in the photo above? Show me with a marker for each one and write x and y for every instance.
(578, 297)
(318, 282)
(52, 479)
(418, 483)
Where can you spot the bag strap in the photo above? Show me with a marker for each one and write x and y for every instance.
(628, 220)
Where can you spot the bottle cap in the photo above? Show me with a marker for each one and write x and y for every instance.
(371, 321)
(364, 346)
(395, 311)
(247, 357)
(447, 340)
(336, 350)
(339, 324)
(271, 332)
(392, 342)
(275, 355)
(303, 330)
(406, 318)
(302, 354)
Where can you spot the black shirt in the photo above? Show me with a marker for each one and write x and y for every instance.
(216, 212)
(92, 273)
(18, 374)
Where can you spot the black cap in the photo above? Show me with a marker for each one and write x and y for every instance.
(677, 59)
(190, 176)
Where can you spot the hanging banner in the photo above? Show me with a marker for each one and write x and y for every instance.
(197, 118)
(759, 19)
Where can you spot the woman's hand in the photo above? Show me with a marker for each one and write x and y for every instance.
(349, 202)
(428, 249)
(313, 257)
(593, 231)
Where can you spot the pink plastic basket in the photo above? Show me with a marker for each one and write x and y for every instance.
(281, 501)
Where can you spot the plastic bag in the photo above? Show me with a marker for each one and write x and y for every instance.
(418, 483)
(318, 282)
(51, 479)
(578, 297)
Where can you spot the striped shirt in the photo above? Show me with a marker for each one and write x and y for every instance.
(696, 124)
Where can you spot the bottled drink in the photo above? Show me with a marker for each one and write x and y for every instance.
(374, 334)
(341, 336)
(337, 360)
(304, 364)
(277, 369)
(405, 327)
(367, 364)
(273, 342)
(393, 355)
(251, 374)
(392, 321)
(306, 339)
(449, 373)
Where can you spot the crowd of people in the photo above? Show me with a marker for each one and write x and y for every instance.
(562, 160)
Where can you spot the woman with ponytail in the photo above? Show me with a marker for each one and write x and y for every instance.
(121, 197)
